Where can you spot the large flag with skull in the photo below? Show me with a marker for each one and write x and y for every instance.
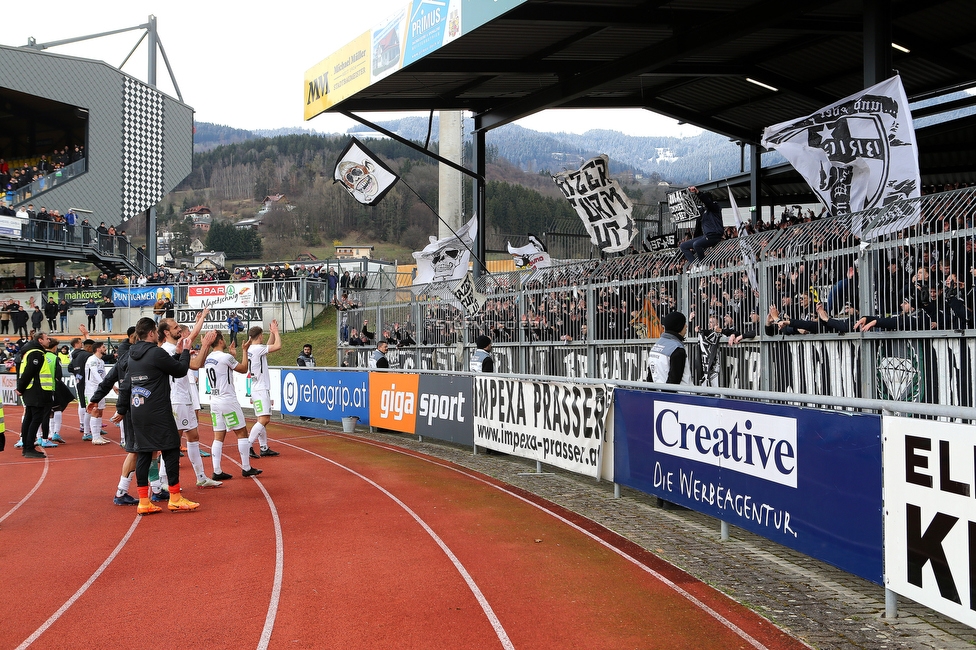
(363, 174)
(856, 154)
(600, 203)
(446, 260)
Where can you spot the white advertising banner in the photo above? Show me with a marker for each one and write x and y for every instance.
(222, 296)
(930, 514)
(564, 425)
(8, 389)
(242, 384)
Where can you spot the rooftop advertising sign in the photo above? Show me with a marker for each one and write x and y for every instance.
(421, 27)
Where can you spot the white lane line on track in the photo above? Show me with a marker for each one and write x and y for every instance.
(47, 465)
(269, 619)
(690, 597)
(480, 597)
(56, 615)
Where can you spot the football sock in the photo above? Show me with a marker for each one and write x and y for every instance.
(95, 427)
(56, 425)
(215, 451)
(196, 461)
(244, 447)
(255, 432)
(124, 484)
(259, 433)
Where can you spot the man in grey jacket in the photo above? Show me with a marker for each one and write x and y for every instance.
(667, 362)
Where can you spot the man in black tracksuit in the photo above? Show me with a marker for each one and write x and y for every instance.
(37, 394)
(76, 367)
(712, 226)
(151, 412)
(119, 374)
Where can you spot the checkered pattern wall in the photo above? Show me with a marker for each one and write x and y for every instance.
(142, 147)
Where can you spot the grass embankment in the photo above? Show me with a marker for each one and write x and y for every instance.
(321, 333)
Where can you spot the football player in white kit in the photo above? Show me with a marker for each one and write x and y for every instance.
(170, 333)
(225, 410)
(257, 367)
(94, 374)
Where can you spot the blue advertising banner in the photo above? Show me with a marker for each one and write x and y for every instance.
(804, 478)
(328, 395)
(140, 296)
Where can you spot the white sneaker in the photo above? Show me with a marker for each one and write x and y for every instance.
(100, 441)
(208, 482)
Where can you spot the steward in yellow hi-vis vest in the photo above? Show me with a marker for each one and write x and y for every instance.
(36, 386)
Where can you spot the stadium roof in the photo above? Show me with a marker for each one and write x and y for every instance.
(694, 60)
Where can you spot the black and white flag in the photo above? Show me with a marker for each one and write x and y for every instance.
(443, 260)
(531, 256)
(468, 295)
(748, 256)
(363, 174)
(600, 203)
(856, 154)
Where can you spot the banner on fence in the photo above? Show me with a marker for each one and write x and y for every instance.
(930, 516)
(217, 318)
(564, 425)
(215, 296)
(242, 387)
(439, 407)
(140, 296)
(329, 395)
(804, 478)
(8, 389)
(78, 297)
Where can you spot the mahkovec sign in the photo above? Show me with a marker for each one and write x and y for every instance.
(807, 479)
(559, 424)
(329, 395)
(930, 514)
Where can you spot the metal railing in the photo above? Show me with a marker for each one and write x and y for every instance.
(49, 181)
(797, 296)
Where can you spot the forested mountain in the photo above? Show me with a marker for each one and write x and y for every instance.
(232, 179)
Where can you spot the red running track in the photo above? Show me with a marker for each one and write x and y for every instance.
(342, 542)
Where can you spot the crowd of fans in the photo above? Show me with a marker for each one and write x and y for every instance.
(24, 172)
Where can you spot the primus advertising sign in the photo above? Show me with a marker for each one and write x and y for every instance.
(766, 468)
(231, 294)
(559, 424)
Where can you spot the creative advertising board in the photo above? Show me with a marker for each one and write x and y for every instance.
(804, 478)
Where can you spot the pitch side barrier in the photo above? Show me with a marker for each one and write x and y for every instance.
(809, 472)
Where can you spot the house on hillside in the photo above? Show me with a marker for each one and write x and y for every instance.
(196, 246)
(200, 216)
(353, 251)
(248, 224)
(208, 261)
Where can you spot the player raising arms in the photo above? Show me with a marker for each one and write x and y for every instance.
(257, 366)
(225, 410)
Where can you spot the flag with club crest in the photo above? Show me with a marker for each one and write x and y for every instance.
(856, 154)
(748, 257)
(531, 256)
(363, 174)
(445, 260)
(601, 204)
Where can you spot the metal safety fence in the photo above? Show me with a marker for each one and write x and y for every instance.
(874, 305)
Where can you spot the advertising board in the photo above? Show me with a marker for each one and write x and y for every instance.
(328, 395)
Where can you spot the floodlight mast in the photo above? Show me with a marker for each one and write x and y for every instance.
(154, 44)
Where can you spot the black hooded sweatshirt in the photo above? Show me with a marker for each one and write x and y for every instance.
(150, 408)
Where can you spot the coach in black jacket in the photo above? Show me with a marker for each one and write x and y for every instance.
(151, 413)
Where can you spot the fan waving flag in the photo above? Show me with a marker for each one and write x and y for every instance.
(446, 259)
(600, 203)
(856, 154)
(363, 174)
(531, 256)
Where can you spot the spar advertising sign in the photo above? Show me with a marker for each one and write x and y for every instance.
(328, 395)
(428, 405)
(807, 479)
(217, 296)
(560, 424)
(930, 514)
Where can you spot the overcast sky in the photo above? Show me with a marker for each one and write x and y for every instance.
(244, 67)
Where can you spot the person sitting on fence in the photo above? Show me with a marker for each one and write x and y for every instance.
(711, 225)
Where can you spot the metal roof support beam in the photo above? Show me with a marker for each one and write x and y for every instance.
(877, 41)
(479, 143)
